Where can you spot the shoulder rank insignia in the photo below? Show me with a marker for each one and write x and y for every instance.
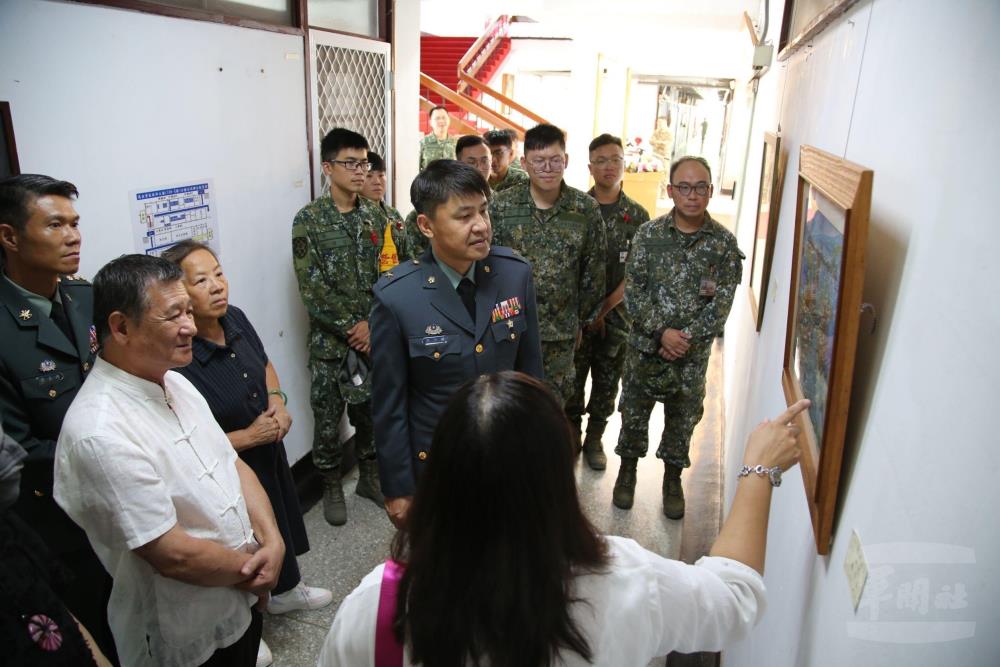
(432, 330)
(46, 366)
(25, 315)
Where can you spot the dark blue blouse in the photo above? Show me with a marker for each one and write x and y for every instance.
(231, 377)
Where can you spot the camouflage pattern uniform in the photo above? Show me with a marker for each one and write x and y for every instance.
(665, 273)
(432, 148)
(415, 241)
(514, 176)
(604, 357)
(336, 258)
(566, 245)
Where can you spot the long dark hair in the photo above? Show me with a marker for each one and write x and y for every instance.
(495, 534)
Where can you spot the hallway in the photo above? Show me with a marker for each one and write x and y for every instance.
(340, 557)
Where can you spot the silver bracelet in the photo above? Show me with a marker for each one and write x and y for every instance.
(773, 474)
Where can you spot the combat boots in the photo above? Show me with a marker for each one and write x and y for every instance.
(334, 507)
(673, 493)
(624, 493)
(368, 484)
(593, 448)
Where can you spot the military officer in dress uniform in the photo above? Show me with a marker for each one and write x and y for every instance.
(49, 345)
(462, 309)
(473, 151)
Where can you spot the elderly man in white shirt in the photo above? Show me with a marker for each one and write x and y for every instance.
(180, 522)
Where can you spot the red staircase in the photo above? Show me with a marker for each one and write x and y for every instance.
(439, 57)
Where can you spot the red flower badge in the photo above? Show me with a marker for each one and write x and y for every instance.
(374, 238)
(626, 217)
(45, 632)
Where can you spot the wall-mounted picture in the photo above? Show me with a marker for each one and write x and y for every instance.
(831, 232)
(772, 177)
(804, 19)
(8, 148)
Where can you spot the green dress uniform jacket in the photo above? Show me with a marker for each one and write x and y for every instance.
(40, 373)
(425, 346)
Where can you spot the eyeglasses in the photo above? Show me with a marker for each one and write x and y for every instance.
(600, 163)
(473, 162)
(684, 189)
(353, 165)
(553, 163)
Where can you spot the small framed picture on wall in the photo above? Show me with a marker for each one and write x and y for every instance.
(772, 177)
(9, 165)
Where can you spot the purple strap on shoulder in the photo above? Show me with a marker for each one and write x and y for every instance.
(388, 650)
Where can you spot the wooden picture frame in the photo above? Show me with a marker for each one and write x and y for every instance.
(8, 147)
(824, 309)
(804, 19)
(772, 178)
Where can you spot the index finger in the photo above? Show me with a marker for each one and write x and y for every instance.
(793, 410)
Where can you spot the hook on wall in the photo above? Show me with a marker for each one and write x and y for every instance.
(870, 309)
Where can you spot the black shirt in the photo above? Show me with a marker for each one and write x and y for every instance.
(231, 377)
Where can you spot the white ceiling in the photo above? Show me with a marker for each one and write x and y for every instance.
(439, 16)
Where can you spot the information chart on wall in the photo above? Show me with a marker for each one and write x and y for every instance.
(166, 215)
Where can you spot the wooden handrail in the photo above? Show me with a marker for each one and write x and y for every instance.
(488, 34)
(465, 128)
(470, 105)
(500, 97)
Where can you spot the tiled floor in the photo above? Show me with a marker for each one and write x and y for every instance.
(340, 557)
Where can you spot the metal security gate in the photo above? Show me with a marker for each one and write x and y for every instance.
(351, 88)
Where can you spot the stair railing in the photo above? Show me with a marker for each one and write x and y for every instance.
(479, 111)
(470, 65)
(481, 50)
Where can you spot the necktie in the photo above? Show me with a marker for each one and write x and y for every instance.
(61, 321)
(467, 291)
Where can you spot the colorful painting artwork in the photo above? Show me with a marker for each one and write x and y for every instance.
(824, 298)
(816, 312)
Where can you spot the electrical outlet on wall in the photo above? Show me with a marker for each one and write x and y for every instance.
(856, 568)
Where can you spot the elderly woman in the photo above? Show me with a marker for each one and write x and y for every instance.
(503, 570)
(232, 371)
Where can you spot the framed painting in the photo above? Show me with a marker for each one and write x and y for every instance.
(8, 148)
(824, 309)
(804, 19)
(772, 176)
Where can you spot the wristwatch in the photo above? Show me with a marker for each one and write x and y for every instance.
(773, 474)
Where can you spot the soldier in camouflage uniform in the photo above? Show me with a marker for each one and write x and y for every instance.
(473, 151)
(679, 287)
(338, 245)
(437, 145)
(374, 190)
(505, 172)
(560, 231)
(602, 351)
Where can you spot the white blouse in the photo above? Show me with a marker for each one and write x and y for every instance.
(644, 606)
(132, 461)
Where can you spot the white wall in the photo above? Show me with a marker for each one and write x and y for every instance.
(905, 88)
(406, 112)
(120, 100)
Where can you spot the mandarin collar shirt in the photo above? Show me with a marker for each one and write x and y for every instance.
(134, 459)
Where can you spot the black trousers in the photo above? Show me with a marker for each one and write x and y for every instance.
(244, 652)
